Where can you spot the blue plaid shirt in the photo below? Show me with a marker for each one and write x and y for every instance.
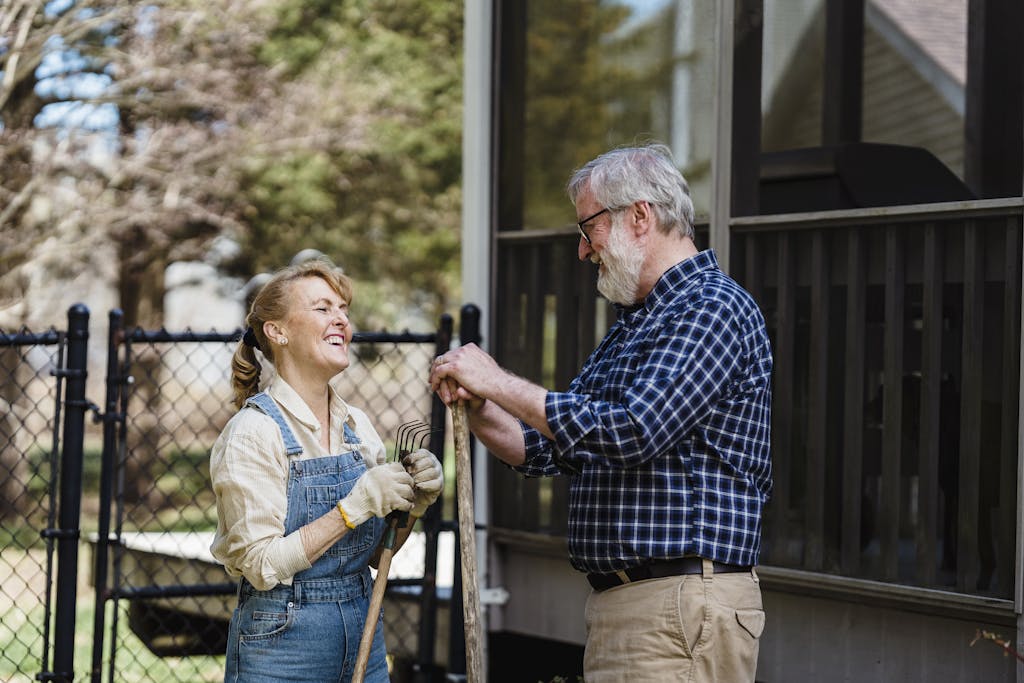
(668, 424)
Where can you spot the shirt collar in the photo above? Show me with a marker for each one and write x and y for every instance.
(672, 280)
(284, 394)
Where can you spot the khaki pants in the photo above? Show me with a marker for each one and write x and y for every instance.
(694, 628)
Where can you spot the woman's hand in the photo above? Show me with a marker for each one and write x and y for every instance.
(377, 492)
(428, 479)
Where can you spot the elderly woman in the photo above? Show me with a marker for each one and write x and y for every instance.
(302, 490)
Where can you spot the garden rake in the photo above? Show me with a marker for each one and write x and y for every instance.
(411, 436)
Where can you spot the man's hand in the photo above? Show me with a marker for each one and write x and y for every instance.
(427, 477)
(495, 400)
(377, 492)
(464, 374)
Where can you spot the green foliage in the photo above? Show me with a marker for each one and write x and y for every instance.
(182, 476)
(566, 118)
(383, 197)
(589, 85)
(283, 126)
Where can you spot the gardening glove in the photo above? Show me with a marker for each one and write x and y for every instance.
(377, 492)
(427, 477)
(373, 454)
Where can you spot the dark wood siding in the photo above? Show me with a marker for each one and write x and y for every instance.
(896, 342)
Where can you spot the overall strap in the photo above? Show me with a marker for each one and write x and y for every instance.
(350, 435)
(266, 405)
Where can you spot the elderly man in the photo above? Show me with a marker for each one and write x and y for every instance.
(664, 434)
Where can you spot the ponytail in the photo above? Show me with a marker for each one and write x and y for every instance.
(245, 373)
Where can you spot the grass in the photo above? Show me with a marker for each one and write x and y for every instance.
(21, 648)
(184, 479)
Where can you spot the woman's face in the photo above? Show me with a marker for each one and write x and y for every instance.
(317, 329)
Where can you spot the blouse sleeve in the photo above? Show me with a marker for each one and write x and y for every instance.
(249, 472)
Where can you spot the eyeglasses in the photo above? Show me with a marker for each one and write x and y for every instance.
(587, 220)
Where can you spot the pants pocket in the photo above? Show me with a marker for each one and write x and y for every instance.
(752, 621)
(262, 625)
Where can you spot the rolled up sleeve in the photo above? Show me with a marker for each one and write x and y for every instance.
(249, 472)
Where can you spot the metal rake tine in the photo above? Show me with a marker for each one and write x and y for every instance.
(410, 436)
(403, 430)
(407, 431)
(420, 432)
(402, 434)
(400, 437)
(426, 434)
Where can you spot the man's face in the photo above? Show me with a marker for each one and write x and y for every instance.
(621, 260)
(612, 246)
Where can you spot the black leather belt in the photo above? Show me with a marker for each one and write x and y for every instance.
(659, 570)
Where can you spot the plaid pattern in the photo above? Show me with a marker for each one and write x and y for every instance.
(668, 426)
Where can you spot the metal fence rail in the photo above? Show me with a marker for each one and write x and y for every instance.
(43, 434)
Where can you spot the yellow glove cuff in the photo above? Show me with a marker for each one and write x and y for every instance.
(348, 522)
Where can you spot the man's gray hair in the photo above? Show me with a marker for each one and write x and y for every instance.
(630, 174)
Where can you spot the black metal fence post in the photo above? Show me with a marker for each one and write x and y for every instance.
(469, 331)
(110, 421)
(67, 534)
(431, 528)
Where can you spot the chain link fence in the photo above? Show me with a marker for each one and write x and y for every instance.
(148, 510)
(29, 415)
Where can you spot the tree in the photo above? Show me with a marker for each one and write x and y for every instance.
(150, 178)
(184, 91)
(384, 203)
(135, 135)
(282, 126)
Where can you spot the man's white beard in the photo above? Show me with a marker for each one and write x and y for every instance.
(623, 260)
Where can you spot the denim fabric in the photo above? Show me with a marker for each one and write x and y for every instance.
(310, 631)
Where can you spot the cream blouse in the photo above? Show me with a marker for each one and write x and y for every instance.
(249, 471)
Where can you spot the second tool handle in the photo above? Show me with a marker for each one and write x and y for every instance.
(467, 546)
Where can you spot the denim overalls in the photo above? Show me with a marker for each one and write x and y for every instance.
(310, 631)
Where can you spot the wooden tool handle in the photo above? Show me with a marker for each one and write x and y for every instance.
(376, 600)
(467, 546)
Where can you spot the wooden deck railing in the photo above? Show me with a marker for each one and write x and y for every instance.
(897, 343)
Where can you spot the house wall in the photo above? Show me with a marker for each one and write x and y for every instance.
(806, 638)
(811, 639)
(900, 106)
(546, 595)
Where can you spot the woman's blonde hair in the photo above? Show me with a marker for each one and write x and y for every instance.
(273, 303)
